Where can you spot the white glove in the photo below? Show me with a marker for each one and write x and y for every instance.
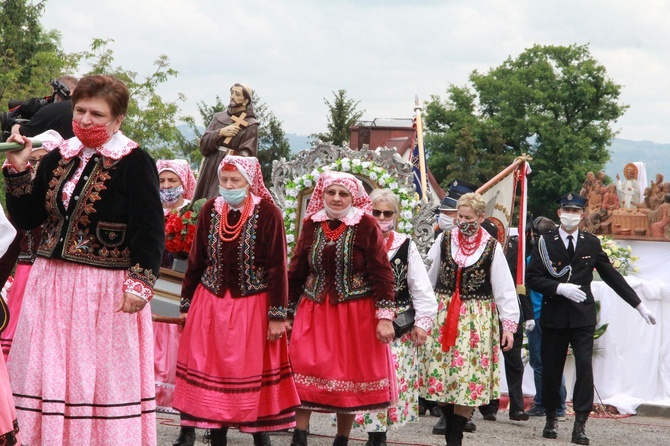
(646, 314)
(571, 291)
(530, 325)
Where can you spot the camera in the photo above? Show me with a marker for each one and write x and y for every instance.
(20, 112)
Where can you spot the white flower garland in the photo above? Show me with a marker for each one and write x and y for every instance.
(355, 166)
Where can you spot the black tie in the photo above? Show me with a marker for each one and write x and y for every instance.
(571, 248)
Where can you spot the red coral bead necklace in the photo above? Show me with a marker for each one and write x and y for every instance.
(333, 234)
(228, 232)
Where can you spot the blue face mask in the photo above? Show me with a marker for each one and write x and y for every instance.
(233, 196)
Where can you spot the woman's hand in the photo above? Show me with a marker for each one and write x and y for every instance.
(276, 330)
(181, 327)
(130, 304)
(19, 158)
(385, 332)
(419, 336)
(507, 340)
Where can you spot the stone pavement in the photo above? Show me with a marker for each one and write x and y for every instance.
(632, 430)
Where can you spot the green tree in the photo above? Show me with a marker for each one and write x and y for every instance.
(342, 114)
(272, 145)
(151, 120)
(555, 103)
(272, 141)
(207, 112)
(29, 55)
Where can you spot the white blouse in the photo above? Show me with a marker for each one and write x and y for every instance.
(423, 296)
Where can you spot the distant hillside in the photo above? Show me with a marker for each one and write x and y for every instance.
(187, 132)
(298, 142)
(656, 157)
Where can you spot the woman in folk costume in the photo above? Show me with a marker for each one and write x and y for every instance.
(474, 287)
(27, 251)
(233, 367)
(81, 364)
(9, 427)
(341, 282)
(412, 292)
(177, 184)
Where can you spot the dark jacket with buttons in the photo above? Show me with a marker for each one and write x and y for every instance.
(114, 218)
(559, 311)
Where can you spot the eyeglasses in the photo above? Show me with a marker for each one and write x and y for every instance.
(387, 214)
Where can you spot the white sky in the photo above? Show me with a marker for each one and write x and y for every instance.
(383, 52)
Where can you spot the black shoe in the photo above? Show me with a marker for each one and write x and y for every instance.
(440, 427)
(579, 433)
(299, 438)
(341, 440)
(489, 416)
(376, 439)
(186, 437)
(218, 437)
(262, 439)
(536, 411)
(455, 437)
(519, 415)
(436, 411)
(550, 428)
(470, 426)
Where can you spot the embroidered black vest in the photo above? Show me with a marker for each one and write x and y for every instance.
(251, 278)
(399, 263)
(348, 284)
(476, 278)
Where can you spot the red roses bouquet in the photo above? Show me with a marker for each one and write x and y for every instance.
(180, 229)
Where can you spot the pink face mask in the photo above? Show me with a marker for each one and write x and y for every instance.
(93, 137)
(386, 225)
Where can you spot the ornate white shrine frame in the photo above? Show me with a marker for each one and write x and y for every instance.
(293, 182)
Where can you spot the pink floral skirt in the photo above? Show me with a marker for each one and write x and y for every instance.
(14, 302)
(338, 363)
(81, 373)
(228, 373)
(468, 374)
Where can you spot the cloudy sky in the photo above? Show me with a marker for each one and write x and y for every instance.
(383, 52)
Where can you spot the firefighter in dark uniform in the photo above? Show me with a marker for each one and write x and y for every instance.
(561, 268)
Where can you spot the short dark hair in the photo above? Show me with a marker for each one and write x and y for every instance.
(70, 81)
(543, 225)
(106, 87)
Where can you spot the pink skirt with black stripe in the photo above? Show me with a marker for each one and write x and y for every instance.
(339, 364)
(228, 373)
(81, 373)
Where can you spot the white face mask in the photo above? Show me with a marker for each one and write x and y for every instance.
(570, 221)
(446, 223)
(336, 215)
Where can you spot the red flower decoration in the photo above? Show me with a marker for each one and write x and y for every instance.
(180, 229)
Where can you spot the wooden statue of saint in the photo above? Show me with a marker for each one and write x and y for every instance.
(234, 131)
